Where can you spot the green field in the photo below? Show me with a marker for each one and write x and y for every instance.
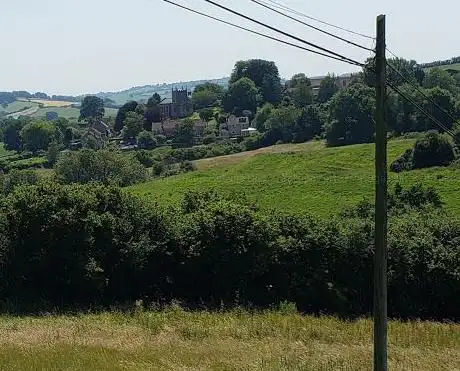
(178, 340)
(454, 67)
(17, 106)
(4, 152)
(69, 112)
(304, 178)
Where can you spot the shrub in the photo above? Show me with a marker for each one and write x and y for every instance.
(92, 244)
(433, 150)
(103, 166)
(403, 163)
(144, 158)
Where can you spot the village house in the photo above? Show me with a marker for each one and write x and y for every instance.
(234, 126)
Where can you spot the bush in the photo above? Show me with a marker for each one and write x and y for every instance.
(144, 158)
(103, 166)
(210, 138)
(433, 150)
(90, 244)
(403, 163)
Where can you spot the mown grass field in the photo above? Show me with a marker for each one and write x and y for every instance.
(178, 340)
(17, 106)
(301, 178)
(69, 112)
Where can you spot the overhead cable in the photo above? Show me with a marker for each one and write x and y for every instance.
(260, 33)
(311, 26)
(283, 32)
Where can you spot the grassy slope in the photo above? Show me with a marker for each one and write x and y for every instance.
(70, 112)
(305, 178)
(4, 152)
(17, 106)
(176, 340)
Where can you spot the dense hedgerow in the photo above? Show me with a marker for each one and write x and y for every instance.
(70, 246)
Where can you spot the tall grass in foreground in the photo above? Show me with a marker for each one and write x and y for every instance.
(179, 340)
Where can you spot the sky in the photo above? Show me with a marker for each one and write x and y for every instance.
(88, 46)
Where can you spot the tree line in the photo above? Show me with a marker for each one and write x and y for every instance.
(80, 246)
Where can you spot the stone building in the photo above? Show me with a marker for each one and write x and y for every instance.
(179, 106)
(234, 126)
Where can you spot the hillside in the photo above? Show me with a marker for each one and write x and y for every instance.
(301, 178)
(38, 108)
(143, 93)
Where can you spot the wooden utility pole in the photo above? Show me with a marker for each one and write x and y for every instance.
(380, 259)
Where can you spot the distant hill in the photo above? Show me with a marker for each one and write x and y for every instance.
(143, 93)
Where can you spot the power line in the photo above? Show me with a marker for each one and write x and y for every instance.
(311, 26)
(284, 33)
(431, 100)
(261, 34)
(291, 10)
(428, 115)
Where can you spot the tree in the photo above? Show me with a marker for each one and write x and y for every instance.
(121, 114)
(409, 69)
(152, 111)
(443, 98)
(206, 114)
(265, 76)
(308, 125)
(280, 125)
(350, 118)
(438, 77)
(300, 91)
(52, 153)
(185, 134)
(433, 150)
(38, 135)
(327, 89)
(104, 166)
(262, 116)
(145, 140)
(207, 95)
(92, 108)
(241, 95)
(133, 125)
(12, 134)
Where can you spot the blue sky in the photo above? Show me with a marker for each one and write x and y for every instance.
(74, 47)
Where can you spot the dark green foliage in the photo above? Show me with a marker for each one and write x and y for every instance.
(265, 76)
(282, 125)
(11, 129)
(403, 163)
(15, 178)
(92, 108)
(206, 114)
(121, 115)
(351, 113)
(327, 89)
(152, 111)
(145, 140)
(299, 90)
(241, 95)
(103, 166)
(309, 124)
(207, 95)
(184, 134)
(89, 245)
(210, 138)
(144, 158)
(433, 150)
(38, 135)
(262, 116)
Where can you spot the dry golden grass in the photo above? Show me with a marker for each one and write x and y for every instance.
(48, 103)
(177, 340)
